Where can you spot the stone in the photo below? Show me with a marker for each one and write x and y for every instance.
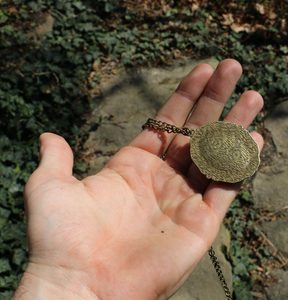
(270, 191)
(279, 289)
(203, 283)
(277, 124)
(45, 23)
(270, 188)
(270, 184)
(277, 233)
(125, 104)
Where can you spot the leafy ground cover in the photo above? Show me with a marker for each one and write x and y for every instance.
(50, 57)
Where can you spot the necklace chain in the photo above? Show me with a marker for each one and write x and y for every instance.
(165, 127)
(219, 272)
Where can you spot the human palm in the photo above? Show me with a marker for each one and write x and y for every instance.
(136, 229)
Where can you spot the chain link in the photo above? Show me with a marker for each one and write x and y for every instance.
(163, 126)
(219, 272)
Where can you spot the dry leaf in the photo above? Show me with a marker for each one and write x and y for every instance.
(241, 27)
(195, 6)
(246, 27)
(12, 10)
(283, 24)
(272, 15)
(260, 8)
(227, 19)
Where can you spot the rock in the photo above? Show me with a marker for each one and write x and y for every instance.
(270, 190)
(270, 186)
(277, 123)
(203, 283)
(45, 23)
(124, 106)
(278, 290)
(277, 233)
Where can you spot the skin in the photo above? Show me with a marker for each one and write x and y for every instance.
(138, 228)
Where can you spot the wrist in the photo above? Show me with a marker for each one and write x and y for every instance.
(46, 282)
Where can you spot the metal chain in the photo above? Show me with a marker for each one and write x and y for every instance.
(219, 272)
(165, 127)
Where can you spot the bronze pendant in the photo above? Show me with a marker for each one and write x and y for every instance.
(222, 151)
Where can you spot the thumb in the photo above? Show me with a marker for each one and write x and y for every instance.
(56, 162)
(56, 157)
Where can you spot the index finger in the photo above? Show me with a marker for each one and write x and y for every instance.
(176, 110)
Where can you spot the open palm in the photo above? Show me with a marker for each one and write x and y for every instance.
(136, 229)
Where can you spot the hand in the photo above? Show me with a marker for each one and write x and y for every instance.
(138, 228)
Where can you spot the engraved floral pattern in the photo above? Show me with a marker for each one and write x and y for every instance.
(224, 152)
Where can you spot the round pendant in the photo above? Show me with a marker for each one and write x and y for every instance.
(224, 152)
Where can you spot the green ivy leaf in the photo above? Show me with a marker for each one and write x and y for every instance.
(4, 265)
